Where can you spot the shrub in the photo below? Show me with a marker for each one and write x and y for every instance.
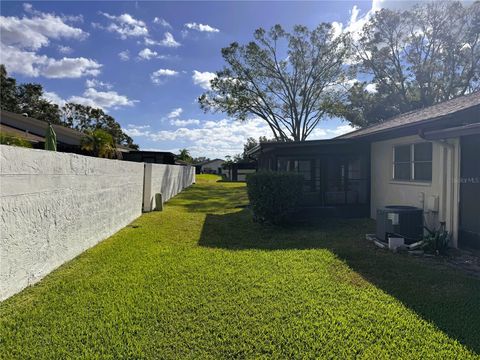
(437, 240)
(274, 195)
(14, 140)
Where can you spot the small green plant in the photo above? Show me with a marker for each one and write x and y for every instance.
(99, 143)
(9, 139)
(274, 196)
(437, 240)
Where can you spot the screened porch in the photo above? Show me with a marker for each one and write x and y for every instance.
(336, 174)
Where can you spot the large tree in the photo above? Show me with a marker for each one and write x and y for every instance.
(286, 79)
(184, 155)
(87, 119)
(26, 99)
(99, 143)
(413, 59)
(8, 91)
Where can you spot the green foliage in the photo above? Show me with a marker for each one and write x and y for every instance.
(414, 58)
(99, 143)
(200, 159)
(201, 281)
(437, 240)
(86, 119)
(14, 140)
(28, 98)
(285, 78)
(274, 195)
(8, 91)
(184, 155)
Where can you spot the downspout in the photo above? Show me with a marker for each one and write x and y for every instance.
(448, 152)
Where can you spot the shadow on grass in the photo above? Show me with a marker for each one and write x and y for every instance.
(444, 296)
(208, 198)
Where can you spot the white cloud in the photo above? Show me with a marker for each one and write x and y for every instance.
(203, 78)
(371, 88)
(175, 113)
(124, 55)
(167, 41)
(219, 138)
(354, 25)
(159, 76)
(181, 123)
(27, 7)
(201, 27)
(356, 22)
(31, 64)
(36, 31)
(102, 99)
(97, 84)
(341, 129)
(73, 18)
(149, 42)
(208, 138)
(22, 62)
(124, 25)
(53, 97)
(64, 49)
(93, 97)
(70, 68)
(147, 54)
(397, 5)
(21, 38)
(162, 22)
(137, 130)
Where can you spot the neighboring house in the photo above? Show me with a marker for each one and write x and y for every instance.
(156, 157)
(240, 171)
(429, 158)
(211, 166)
(34, 130)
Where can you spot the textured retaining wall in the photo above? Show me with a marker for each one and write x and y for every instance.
(56, 205)
(168, 180)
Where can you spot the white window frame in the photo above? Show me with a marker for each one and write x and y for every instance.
(412, 162)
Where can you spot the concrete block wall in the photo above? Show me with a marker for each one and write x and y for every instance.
(167, 180)
(54, 206)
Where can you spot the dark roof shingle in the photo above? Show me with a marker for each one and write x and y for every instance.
(417, 116)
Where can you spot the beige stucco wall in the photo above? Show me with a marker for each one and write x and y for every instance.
(445, 169)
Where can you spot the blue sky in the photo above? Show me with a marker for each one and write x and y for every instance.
(145, 63)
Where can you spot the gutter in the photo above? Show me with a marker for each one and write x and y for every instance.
(254, 150)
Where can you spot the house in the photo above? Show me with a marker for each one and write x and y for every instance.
(239, 171)
(428, 158)
(211, 166)
(156, 157)
(34, 130)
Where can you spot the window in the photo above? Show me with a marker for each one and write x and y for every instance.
(413, 162)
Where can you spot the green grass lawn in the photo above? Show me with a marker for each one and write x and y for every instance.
(201, 280)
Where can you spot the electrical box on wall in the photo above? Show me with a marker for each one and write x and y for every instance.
(432, 203)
